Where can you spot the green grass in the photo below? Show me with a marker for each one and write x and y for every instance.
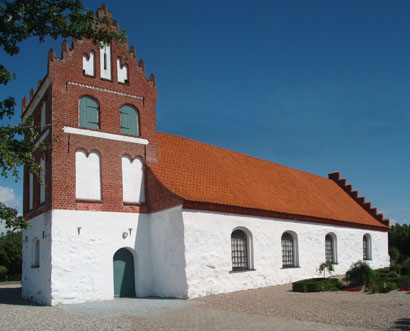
(11, 282)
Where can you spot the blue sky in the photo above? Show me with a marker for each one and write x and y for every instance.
(319, 86)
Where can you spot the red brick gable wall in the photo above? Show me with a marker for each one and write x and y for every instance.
(68, 85)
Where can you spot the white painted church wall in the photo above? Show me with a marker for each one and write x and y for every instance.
(82, 265)
(208, 251)
(36, 281)
(178, 253)
(167, 252)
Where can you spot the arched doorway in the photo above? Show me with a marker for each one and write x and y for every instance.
(124, 278)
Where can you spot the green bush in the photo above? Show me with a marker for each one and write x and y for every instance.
(10, 255)
(3, 270)
(392, 274)
(316, 285)
(360, 273)
(395, 268)
(405, 270)
(383, 287)
(394, 254)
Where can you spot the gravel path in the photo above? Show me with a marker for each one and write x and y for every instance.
(354, 309)
(18, 314)
(270, 308)
(126, 306)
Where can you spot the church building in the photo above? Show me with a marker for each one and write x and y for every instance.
(127, 211)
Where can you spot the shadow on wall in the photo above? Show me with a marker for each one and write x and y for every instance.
(402, 324)
(12, 296)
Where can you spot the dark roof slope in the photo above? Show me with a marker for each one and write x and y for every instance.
(200, 172)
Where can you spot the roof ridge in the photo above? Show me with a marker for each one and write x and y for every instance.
(243, 154)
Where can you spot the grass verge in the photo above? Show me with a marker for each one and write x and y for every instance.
(14, 282)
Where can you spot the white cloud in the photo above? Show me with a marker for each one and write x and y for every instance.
(8, 197)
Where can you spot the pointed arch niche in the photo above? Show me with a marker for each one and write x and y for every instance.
(132, 180)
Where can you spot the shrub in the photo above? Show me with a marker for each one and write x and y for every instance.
(396, 268)
(383, 287)
(394, 254)
(3, 270)
(316, 285)
(405, 270)
(360, 273)
(392, 274)
(326, 266)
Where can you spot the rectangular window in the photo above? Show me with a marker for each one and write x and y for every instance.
(43, 117)
(30, 192)
(239, 247)
(287, 251)
(43, 179)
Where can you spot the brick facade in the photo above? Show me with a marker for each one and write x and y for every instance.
(68, 85)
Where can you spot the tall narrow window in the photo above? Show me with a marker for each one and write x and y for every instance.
(30, 191)
(289, 250)
(43, 117)
(43, 180)
(239, 243)
(330, 248)
(36, 253)
(89, 113)
(367, 253)
(129, 120)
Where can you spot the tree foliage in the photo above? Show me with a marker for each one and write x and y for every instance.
(399, 237)
(22, 19)
(10, 254)
(360, 273)
(328, 265)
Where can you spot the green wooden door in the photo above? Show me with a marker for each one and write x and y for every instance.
(124, 279)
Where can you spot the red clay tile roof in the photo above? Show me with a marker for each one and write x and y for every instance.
(200, 172)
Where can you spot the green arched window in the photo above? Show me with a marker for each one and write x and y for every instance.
(129, 120)
(89, 113)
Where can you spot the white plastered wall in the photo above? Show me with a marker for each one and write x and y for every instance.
(208, 251)
(167, 252)
(132, 180)
(83, 246)
(87, 175)
(36, 281)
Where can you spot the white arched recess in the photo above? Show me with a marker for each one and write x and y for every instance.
(249, 239)
(132, 180)
(87, 175)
